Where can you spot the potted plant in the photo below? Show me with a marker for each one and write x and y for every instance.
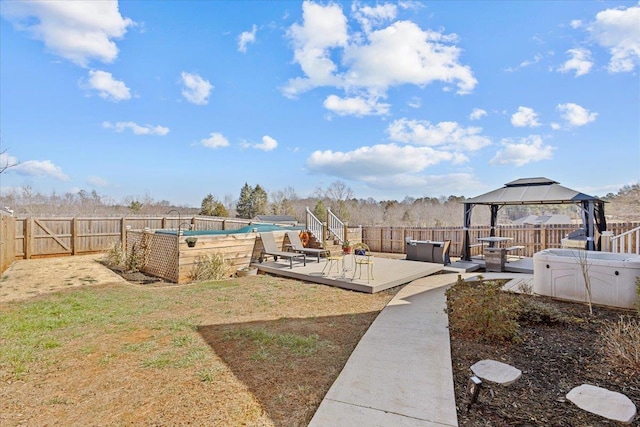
(191, 241)
(346, 247)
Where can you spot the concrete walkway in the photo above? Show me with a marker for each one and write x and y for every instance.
(400, 372)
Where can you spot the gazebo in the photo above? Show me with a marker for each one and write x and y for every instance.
(537, 191)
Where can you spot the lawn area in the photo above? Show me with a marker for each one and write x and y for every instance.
(259, 351)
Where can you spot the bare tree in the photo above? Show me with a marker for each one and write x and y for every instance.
(582, 258)
(7, 161)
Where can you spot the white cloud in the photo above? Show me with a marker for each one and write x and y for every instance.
(555, 126)
(458, 183)
(75, 30)
(527, 150)
(215, 140)
(619, 31)
(575, 114)
(368, 163)
(580, 62)
(106, 86)
(414, 102)
(323, 28)
(267, 144)
(40, 168)
(96, 181)
(370, 17)
(136, 128)
(371, 62)
(477, 114)
(403, 53)
(356, 106)
(525, 117)
(575, 24)
(527, 62)
(394, 167)
(245, 38)
(196, 89)
(445, 135)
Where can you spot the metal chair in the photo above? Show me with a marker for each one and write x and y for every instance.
(333, 259)
(362, 257)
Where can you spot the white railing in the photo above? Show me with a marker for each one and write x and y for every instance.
(335, 226)
(315, 226)
(627, 242)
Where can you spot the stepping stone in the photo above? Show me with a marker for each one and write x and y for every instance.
(603, 402)
(497, 372)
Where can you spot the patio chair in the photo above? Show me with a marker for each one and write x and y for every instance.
(336, 260)
(441, 253)
(269, 248)
(362, 257)
(297, 246)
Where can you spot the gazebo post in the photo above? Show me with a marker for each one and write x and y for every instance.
(494, 220)
(466, 250)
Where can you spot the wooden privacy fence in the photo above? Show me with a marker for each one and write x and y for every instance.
(533, 237)
(24, 238)
(7, 246)
(59, 236)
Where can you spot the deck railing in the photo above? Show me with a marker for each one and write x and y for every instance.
(335, 226)
(315, 226)
(627, 242)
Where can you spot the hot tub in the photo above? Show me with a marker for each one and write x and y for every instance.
(558, 273)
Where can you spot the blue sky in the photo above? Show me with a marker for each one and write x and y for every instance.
(178, 99)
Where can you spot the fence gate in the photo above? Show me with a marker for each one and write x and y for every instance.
(49, 236)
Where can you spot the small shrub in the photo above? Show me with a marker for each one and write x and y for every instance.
(621, 343)
(481, 310)
(536, 311)
(211, 267)
(134, 259)
(115, 256)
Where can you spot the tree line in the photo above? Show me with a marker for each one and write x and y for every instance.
(255, 200)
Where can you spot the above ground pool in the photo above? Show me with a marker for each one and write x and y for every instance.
(247, 229)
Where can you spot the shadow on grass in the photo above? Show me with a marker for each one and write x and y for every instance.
(288, 364)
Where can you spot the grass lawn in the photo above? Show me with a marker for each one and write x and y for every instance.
(256, 351)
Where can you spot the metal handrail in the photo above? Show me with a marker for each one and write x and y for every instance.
(315, 226)
(335, 226)
(623, 243)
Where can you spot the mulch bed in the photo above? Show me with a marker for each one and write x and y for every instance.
(553, 360)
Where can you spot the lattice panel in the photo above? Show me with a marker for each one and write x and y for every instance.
(160, 253)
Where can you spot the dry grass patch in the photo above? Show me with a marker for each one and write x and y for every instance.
(254, 351)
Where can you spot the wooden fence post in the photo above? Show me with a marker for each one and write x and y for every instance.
(74, 235)
(123, 232)
(27, 238)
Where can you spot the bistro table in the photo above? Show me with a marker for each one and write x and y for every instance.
(492, 240)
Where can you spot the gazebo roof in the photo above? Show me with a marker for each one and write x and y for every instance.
(531, 191)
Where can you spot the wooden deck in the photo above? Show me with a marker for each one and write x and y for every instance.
(387, 273)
